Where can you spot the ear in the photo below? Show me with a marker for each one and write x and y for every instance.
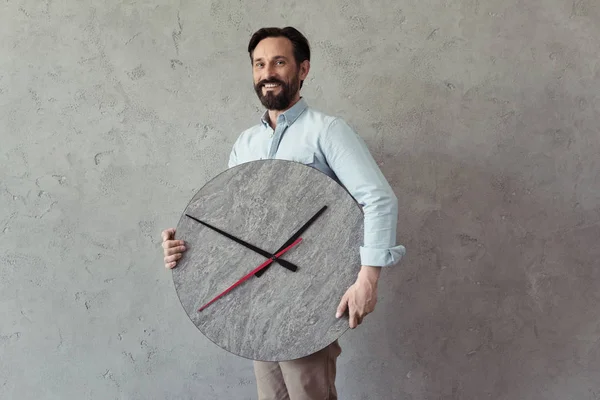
(304, 68)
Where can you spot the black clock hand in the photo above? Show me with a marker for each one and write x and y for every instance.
(286, 264)
(294, 237)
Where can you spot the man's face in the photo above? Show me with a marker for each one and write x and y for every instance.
(276, 75)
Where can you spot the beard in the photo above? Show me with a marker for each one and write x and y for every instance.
(281, 101)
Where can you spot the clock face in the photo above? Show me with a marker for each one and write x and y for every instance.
(238, 222)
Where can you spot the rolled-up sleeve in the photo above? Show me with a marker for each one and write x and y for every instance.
(348, 156)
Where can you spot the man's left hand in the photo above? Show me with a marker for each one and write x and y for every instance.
(361, 297)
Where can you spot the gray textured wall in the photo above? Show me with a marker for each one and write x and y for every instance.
(484, 116)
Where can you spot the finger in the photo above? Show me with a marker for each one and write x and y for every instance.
(342, 306)
(352, 320)
(172, 243)
(353, 312)
(171, 265)
(359, 320)
(174, 250)
(168, 234)
(174, 257)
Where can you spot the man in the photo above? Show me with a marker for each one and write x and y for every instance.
(291, 130)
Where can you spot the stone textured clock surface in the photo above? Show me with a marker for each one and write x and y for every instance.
(282, 315)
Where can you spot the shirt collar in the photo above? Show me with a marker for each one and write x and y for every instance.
(290, 115)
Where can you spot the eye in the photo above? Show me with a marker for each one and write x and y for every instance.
(280, 62)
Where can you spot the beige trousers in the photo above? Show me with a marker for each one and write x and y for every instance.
(308, 378)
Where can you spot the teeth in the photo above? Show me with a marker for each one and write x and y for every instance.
(271, 85)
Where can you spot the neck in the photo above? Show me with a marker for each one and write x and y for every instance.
(274, 114)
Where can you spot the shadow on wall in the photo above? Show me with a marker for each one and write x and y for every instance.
(498, 296)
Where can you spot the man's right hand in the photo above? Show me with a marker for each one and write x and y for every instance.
(173, 249)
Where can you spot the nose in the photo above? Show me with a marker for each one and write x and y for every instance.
(270, 71)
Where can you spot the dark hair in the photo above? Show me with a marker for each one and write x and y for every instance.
(299, 42)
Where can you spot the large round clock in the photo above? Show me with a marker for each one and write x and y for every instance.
(272, 246)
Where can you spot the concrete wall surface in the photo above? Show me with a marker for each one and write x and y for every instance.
(484, 115)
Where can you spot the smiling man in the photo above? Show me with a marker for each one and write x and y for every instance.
(291, 130)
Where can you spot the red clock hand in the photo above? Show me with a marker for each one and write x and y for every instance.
(247, 276)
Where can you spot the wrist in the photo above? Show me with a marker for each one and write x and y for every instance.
(369, 273)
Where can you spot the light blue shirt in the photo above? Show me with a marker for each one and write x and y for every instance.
(329, 144)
